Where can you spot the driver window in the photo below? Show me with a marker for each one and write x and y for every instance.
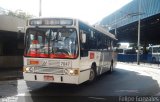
(53, 35)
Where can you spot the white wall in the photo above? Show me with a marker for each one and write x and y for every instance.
(9, 23)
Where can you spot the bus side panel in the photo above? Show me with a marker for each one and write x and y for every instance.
(103, 61)
(84, 76)
(85, 65)
(106, 61)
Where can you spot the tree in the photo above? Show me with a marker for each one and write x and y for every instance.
(20, 14)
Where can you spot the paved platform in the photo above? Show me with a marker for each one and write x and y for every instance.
(10, 74)
(147, 65)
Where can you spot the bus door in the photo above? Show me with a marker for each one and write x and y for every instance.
(103, 62)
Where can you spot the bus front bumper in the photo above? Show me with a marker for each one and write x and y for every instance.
(51, 78)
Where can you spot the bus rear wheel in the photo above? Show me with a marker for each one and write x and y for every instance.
(111, 67)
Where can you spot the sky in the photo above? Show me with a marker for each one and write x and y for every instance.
(90, 11)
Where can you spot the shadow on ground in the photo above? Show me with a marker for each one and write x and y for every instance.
(8, 81)
(119, 83)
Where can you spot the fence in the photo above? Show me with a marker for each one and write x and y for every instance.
(133, 58)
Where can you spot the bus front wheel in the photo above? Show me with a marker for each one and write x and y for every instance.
(92, 74)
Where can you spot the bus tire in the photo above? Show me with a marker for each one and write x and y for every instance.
(92, 74)
(111, 67)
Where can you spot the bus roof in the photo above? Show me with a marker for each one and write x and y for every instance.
(96, 27)
(101, 29)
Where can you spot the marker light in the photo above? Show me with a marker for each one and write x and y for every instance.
(32, 62)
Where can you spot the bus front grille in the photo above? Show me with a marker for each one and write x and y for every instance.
(57, 71)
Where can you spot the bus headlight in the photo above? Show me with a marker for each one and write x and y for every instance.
(28, 69)
(73, 71)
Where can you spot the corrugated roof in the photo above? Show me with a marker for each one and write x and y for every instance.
(130, 13)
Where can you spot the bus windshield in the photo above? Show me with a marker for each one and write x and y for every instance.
(52, 43)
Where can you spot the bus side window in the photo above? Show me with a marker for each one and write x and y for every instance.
(83, 47)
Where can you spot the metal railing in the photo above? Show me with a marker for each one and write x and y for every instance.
(145, 59)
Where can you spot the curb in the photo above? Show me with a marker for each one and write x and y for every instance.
(10, 78)
(148, 66)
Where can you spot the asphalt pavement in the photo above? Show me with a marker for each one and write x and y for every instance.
(17, 73)
(10, 74)
(127, 79)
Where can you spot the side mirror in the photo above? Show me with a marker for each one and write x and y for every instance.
(83, 38)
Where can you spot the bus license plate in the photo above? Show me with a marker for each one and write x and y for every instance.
(48, 78)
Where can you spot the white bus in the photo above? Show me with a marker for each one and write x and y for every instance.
(154, 53)
(63, 50)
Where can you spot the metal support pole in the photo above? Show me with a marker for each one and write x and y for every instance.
(40, 8)
(139, 29)
(115, 26)
(116, 31)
